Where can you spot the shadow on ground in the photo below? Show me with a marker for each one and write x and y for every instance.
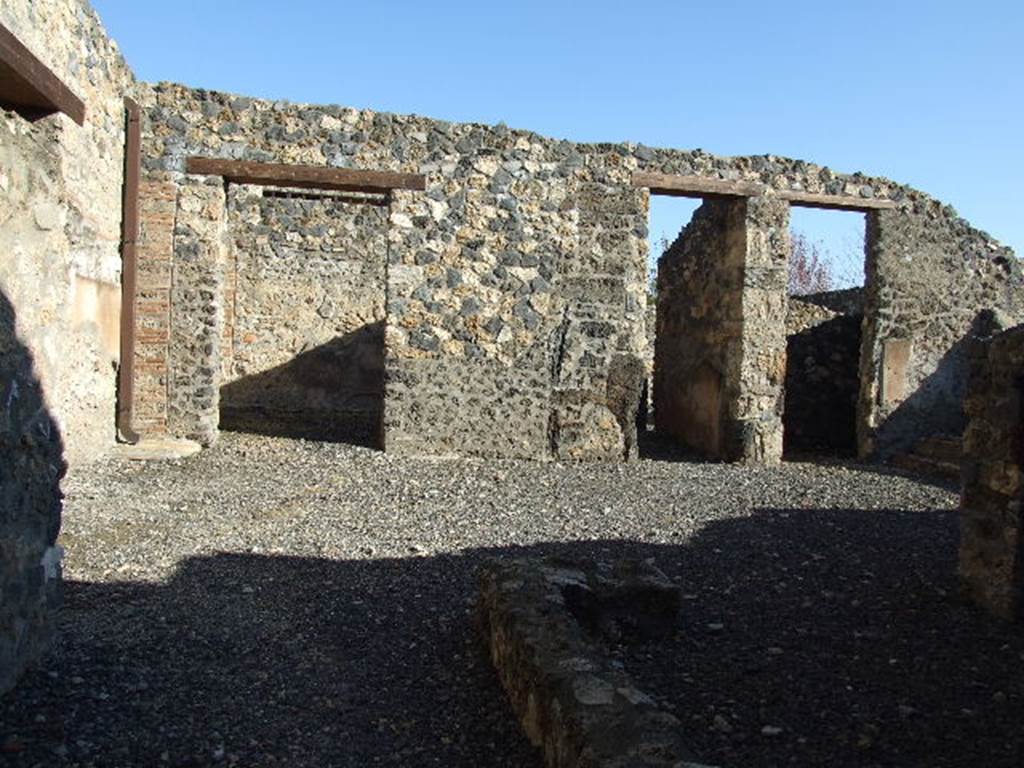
(842, 627)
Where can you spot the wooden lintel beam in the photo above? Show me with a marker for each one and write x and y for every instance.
(305, 176)
(29, 85)
(834, 202)
(674, 185)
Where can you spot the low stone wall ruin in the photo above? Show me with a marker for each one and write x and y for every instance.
(542, 620)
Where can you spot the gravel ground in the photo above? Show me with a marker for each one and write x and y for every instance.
(277, 602)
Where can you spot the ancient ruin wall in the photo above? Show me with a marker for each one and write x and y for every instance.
(515, 282)
(991, 544)
(303, 347)
(61, 216)
(929, 275)
(720, 344)
(197, 310)
(60, 213)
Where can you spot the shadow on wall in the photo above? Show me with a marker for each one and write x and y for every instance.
(822, 386)
(31, 467)
(333, 392)
(261, 660)
(936, 406)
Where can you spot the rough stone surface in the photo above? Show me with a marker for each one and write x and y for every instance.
(60, 211)
(60, 215)
(31, 467)
(197, 311)
(720, 345)
(527, 254)
(929, 277)
(991, 541)
(539, 620)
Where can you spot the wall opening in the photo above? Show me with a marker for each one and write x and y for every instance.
(698, 331)
(303, 341)
(669, 216)
(823, 332)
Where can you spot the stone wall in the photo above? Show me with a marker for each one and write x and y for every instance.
(304, 331)
(720, 341)
(546, 625)
(991, 544)
(61, 217)
(515, 282)
(60, 214)
(197, 310)
(929, 275)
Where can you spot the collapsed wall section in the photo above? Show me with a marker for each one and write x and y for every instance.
(720, 339)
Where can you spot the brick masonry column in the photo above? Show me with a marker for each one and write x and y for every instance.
(152, 306)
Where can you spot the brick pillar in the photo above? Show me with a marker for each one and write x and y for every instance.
(152, 306)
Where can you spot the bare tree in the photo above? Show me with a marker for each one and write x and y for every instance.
(809, 269)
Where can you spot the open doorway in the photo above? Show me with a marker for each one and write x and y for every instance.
(823, 332)
(669, 217)
(303, 344)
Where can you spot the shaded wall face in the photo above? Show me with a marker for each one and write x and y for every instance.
(991, 544)
(929, 275)
(720, 342)
(822, 380)
(303, 348)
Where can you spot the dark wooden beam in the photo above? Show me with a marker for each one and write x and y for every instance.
(674, 185)
(833, 202)
(305, 176)
(29, 86)
(129, 270)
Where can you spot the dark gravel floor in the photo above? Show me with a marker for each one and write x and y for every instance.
(836, 637)
(275, 602)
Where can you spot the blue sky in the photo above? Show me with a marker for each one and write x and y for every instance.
(926, 93)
